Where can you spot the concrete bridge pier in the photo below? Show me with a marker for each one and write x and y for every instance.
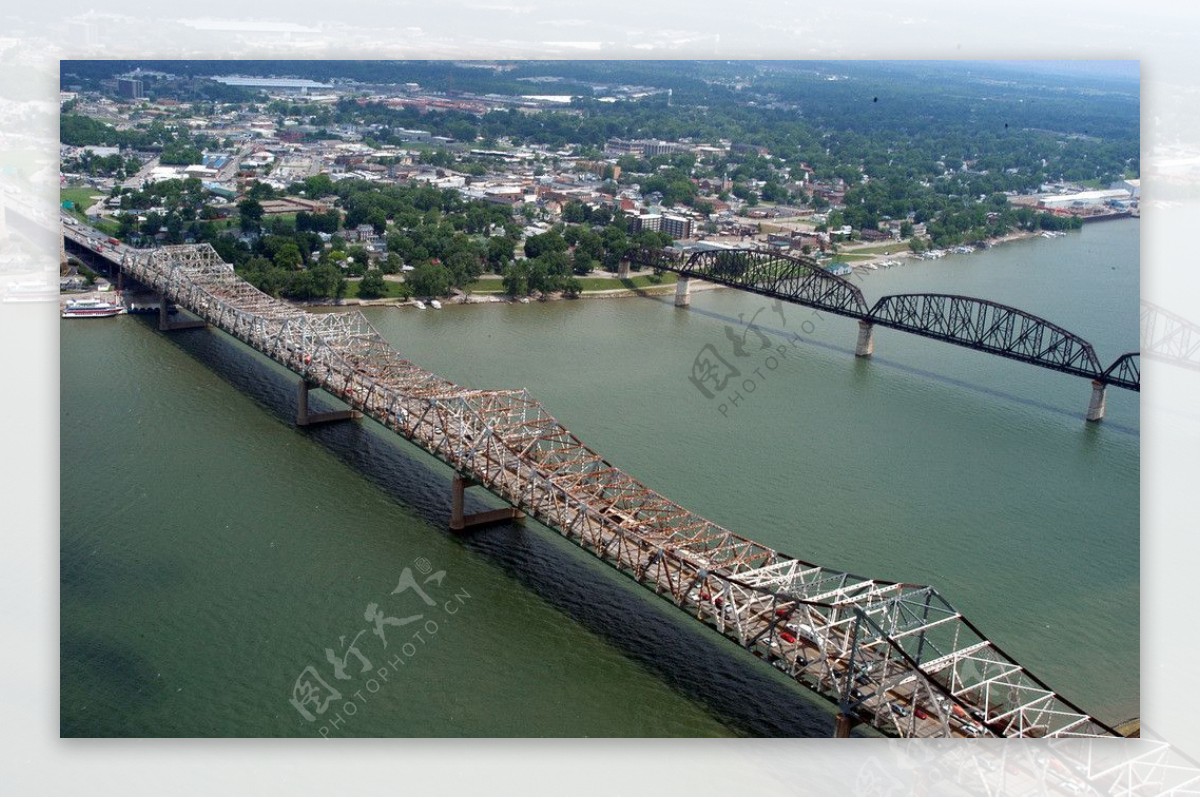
(460, 522)
(623, 269)
(683, 295)
(842, 725)
(307, 419)
(166, 323)
(866, 339)
(1095, 411)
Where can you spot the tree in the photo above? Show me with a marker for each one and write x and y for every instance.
(319, 185)
(377, 219)
(616, 245)
(359, 259)
(260, 191)
(430, 279)
(288, 256)
(551, 241)
(251, 214)
(575, 212)
(601, 215)
(391, 264)
(581, 262)
(516, 279)
(571, 287)
(773, 192)
(372, 285)
(500, 253)
(127, 225)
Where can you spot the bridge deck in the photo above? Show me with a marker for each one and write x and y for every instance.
(895, 656)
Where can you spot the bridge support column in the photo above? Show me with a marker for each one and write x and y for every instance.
(307, 419)
(866, 340)
(623, 269)
(842, 725)
(460, 522)
(1095, 411)
(166, 324)
(683, 295)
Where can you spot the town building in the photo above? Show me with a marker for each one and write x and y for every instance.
(130, 88)
(647, 221)
(676, 226)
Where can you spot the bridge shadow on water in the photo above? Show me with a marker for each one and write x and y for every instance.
(749, 697)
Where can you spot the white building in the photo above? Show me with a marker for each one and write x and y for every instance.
(1084, 198)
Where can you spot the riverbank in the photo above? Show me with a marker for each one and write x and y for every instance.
(494, 299)
(863, 261)
(875, 256)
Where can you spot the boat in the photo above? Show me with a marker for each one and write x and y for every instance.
(87, 308)
(419, 304)
(435, 304)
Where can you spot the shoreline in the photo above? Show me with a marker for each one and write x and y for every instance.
(504, 299)
(876, 258)
(869, 264)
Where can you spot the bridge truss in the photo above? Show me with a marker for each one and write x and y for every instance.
(789, 277)
(964, 321)
(988, 327)
(896, 656)
(1126, 372)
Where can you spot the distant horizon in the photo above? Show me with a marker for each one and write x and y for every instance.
(1121, 69)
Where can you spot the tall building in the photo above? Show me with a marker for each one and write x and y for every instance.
(676, 226)
(652, 148)
(129, 88)
(648, 221)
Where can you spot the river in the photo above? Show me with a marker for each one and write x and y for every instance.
(211, 552)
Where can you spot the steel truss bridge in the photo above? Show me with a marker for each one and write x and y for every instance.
(898, 657)
(965, 321)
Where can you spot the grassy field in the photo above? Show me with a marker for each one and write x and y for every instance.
(82, 197)
(891, 248)
(613, 283)
(494, 285)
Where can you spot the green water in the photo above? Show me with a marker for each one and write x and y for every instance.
(211, 551)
